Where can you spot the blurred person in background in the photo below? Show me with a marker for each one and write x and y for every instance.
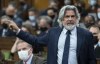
(31, 22)
(96, 34)
(10, 12)
(52, 13)
(44, 24)
(98, 23)
(67, 2)
(98, 13)
(23, 9)
(81, 7)
(26, 56)
(98, 44)
(52, 5)
(93, 4)
(97, 3)
(13, 49)
(97, 47)
(87, 22)
(94, 29)
(32, 16)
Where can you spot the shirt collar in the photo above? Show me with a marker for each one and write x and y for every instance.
(72, 31)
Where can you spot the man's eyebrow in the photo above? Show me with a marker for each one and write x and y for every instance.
(69, 15)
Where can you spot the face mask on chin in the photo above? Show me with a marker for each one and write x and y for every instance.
(23, 55)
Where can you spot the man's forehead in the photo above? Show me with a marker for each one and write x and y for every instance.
(69, 12)
(23, 44)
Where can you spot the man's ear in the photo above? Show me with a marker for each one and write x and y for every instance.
(31, 50)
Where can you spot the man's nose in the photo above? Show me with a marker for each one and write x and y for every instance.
(70, 18)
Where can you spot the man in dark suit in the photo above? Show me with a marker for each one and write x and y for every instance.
(73, 47)
(25, 54)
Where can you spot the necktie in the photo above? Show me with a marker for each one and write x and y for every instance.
(66, 48)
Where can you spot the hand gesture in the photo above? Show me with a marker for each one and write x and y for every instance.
(10, 23)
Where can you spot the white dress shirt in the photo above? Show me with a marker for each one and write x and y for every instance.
(98, 44)
(72, 59)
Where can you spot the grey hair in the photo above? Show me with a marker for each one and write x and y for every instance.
(21, 41)
(47, 18)
(62, 13)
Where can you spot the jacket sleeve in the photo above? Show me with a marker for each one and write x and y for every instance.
(31, 39)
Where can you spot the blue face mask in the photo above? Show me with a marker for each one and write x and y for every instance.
(31, 17)
(92, 2)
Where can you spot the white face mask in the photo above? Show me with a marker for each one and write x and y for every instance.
(31, 17)
(98, 15)
(23, 55)
(92, 2)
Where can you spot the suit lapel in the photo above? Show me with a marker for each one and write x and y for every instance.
(33, 60)
(79, 40)
(58, 32)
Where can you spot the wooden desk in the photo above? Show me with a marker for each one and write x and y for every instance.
(98, 60)
(6, 42)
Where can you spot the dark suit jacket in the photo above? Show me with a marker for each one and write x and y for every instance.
(97, 51)
(85, 49)
(8, 33)
(35, 60)
(18, 21)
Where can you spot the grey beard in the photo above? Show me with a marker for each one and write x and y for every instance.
(70, 27)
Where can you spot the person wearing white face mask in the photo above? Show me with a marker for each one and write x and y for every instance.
(32, 16)
(92, 2)
(98, 13)
(25, 54)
